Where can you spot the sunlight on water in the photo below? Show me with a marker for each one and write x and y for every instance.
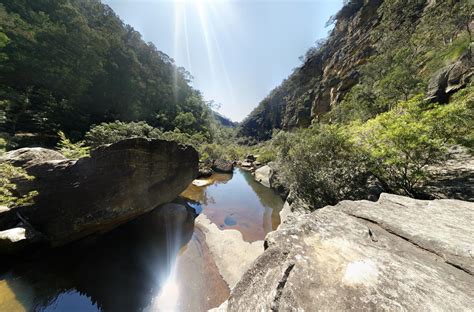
(158, 262)
(168, 297)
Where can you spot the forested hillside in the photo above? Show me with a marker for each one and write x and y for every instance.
(69, 64)
(378, 54)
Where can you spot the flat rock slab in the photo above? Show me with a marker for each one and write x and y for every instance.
(444, 227)
(232, 255)
(202, 182)
(338, 259)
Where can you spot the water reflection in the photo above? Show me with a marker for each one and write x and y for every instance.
(158, 262)
(124, 270)
(238, 202)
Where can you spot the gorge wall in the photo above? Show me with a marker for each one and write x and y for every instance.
(369, 39)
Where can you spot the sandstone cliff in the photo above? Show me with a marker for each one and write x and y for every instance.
(368, 37)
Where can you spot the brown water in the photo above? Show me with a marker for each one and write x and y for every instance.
(239, 202)
(147, 264)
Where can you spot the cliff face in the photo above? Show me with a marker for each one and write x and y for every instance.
(363, 29)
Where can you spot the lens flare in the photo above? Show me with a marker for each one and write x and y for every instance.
(168, 297)
(209, 16)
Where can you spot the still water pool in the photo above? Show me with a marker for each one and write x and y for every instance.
(150, 264)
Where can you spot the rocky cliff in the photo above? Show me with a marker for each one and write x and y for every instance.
(397, 254)
(424, 34)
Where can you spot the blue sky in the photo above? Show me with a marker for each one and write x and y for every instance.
(236, 50)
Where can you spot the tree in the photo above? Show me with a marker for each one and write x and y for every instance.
(402, 143)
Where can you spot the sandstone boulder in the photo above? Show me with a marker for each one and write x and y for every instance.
(246, 164)
(205, 173)
(397, 254)
(223, 166)
(26, 157)
(250, 158)
(117, 183)
(450, 79)
(264, 175)
(12, 240)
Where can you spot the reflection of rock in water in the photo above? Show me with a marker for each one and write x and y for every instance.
(200, 195)
(120, 271)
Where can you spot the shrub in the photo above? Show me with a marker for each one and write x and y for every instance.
(402, 143)
(322, 166)
(112, 132)
(71, 150)
(9, 173)
(330, 163)
(266, 156)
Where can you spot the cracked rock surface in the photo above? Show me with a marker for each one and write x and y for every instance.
(397, 254)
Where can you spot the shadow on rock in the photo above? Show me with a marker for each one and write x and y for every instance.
(120, 271)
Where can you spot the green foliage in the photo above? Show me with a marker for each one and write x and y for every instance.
(321, 165)
(66, 65)
(108, 133)
(8, 175)
(359, 104)
(185, 121)
(329, 163)
(71, 150)
(3, 145)
(403, 142)
(8, 196)
(266, 156)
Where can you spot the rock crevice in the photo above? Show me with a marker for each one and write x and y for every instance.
(397, 254)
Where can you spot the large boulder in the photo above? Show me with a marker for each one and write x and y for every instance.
(268, 175)
(29, 156)
(450, 79)
(264, 175)
(223, 166)
(397, 254)
(117, 183)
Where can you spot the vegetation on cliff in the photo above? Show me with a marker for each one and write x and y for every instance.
(327, 163)
(378, 54)
(353, 121)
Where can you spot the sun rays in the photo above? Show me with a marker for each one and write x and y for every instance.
(208, 17)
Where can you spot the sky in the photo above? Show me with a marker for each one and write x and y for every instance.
(236, 50)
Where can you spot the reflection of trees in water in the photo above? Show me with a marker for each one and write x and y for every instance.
(269, 199)
(119, 271)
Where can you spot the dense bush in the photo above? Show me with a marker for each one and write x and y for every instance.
(71, 150)
(66, 65)
(321, 165)
(329, 163)
(8, 174)
(220, 145)
(402, 143)
(112, 132)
